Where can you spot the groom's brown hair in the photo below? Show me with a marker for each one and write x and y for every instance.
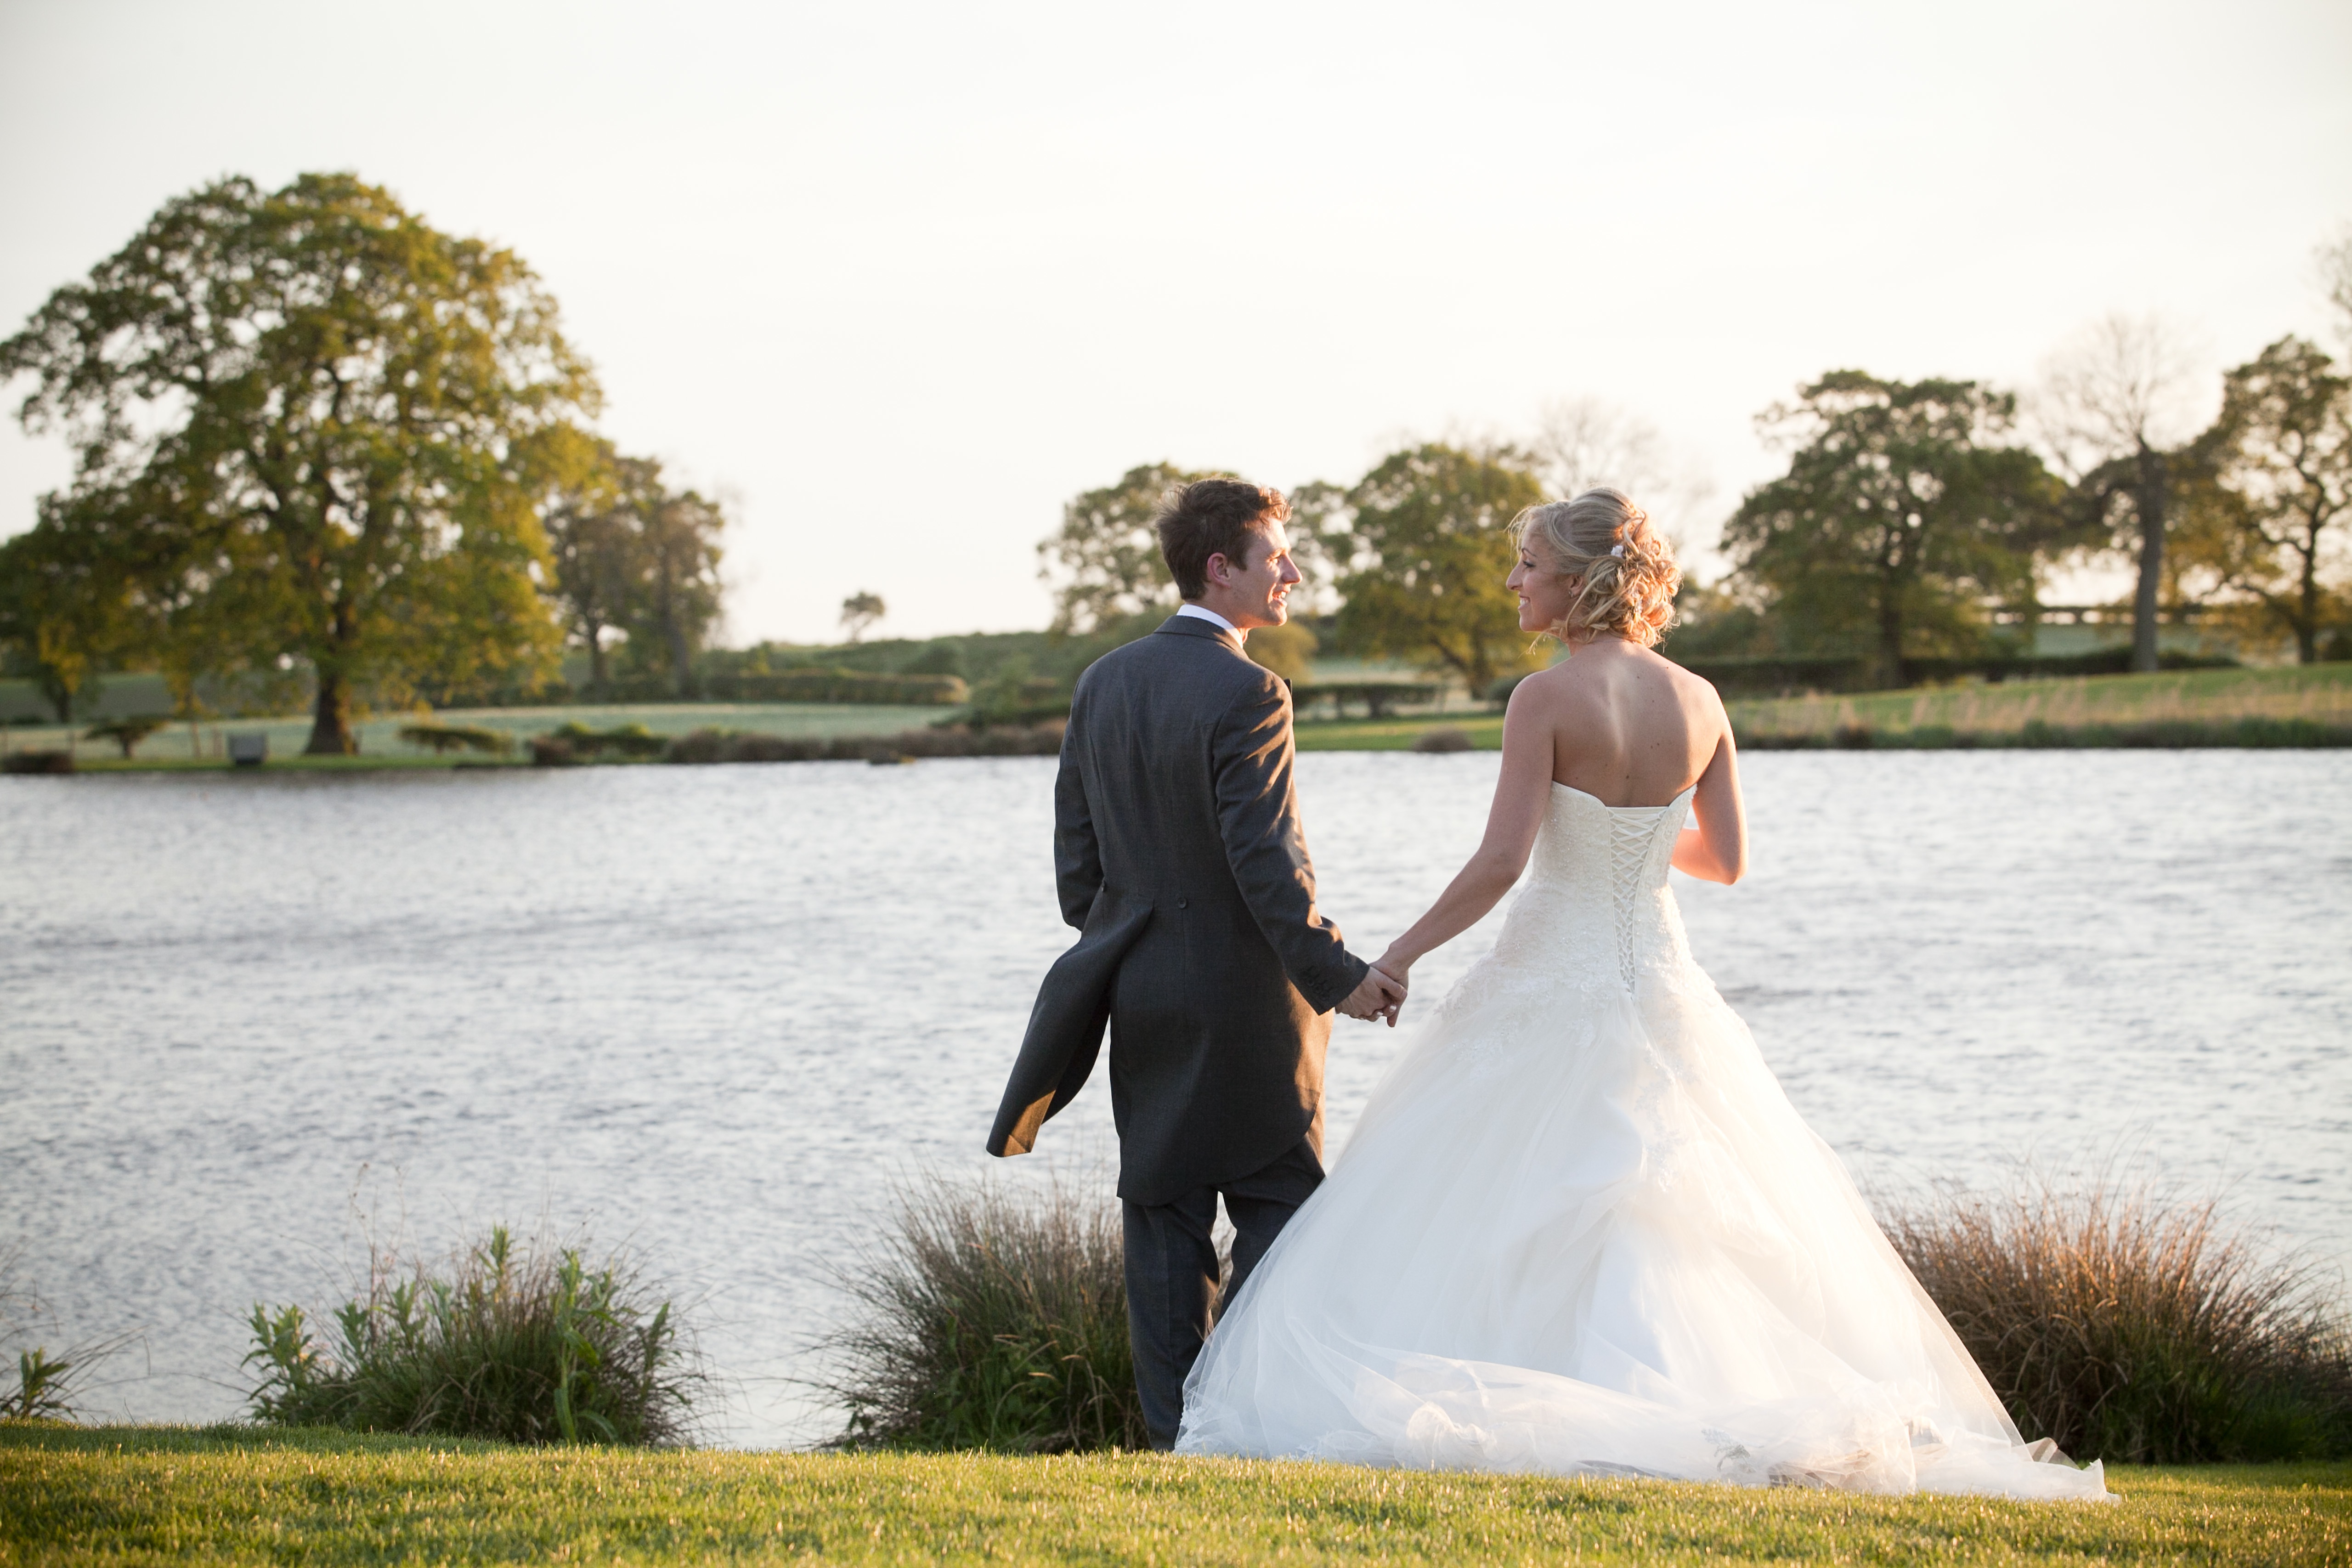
(1214, 517)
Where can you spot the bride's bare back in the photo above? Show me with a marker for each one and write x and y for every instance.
(1627, 727)
(1614, 721)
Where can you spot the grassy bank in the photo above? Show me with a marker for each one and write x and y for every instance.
(380, 743)
(2301, 706)
(148, 1494)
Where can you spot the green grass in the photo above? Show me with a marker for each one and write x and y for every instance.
(381, 747)
(151, 1495)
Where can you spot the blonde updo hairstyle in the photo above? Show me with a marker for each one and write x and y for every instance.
(1624, 565)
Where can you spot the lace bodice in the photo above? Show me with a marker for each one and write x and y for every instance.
(1595, 903)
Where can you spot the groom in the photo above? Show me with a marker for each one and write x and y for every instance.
(1180, 858)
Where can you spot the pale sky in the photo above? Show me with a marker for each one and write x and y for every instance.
(898, 280)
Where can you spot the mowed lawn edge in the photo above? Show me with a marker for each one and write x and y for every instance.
(153, 1494)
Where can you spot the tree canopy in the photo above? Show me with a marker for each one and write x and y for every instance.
(1902, 518)
(1426, 552)
(2278, 463)
(1104, 564)
(301, 423)
(635, 561)
(860, 612)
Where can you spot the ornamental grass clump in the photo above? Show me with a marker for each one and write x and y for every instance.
(515, 1344)
(2135, 1330)
(989, 1321)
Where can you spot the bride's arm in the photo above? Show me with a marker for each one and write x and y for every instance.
(1520, 795)
(1716, 849)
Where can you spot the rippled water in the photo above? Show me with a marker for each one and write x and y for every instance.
(715, 1010)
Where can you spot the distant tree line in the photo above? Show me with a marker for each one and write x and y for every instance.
(1912, 530)
(315, 437)
(319, 444)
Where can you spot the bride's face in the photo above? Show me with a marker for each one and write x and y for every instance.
(1543, 593)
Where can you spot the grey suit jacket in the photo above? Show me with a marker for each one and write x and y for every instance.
(1179, 856)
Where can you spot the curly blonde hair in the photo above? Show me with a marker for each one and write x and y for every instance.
(1625, 564)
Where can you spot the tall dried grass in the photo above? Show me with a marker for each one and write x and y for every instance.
(2133, 1329)
(2190, 708)
(989, 1319)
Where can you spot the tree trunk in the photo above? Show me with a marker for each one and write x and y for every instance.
(2307, 623)
(2150, 498)
(596, 655)
(1887, 673)
(681, 656)
(330, 720)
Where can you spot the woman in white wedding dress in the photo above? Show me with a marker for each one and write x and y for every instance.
(1580, 1230)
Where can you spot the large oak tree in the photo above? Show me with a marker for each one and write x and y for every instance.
(303, 414)
(1904, 516)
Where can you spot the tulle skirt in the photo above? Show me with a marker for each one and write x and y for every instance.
(1581, 1230)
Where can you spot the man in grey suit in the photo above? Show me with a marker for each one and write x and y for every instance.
(1178, 856)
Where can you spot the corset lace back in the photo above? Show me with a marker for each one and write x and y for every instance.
(1595, 907)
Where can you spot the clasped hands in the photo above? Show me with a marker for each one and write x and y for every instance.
(1379, 995)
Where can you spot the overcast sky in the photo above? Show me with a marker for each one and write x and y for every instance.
(899, 279)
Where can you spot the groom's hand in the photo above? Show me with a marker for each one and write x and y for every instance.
(1377, 995)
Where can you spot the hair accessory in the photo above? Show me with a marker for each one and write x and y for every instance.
(1617, 550)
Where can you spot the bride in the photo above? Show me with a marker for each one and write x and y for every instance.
(1580, 1227)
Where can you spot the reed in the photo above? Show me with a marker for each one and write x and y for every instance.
(988, 1321)
(516, 1344)
(48, 1388)
(2132, 1329)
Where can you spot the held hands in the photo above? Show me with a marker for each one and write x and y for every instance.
(1377, 995)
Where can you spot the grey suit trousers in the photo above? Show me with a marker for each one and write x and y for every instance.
(1171, 1272)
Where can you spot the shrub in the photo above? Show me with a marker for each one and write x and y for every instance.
(127, 732)
(37, 762)
(735, 746)
(990, 1321)
(622, 740)
(1446, 740)
(2134, 1331)
(518, 1346)
(446, 738)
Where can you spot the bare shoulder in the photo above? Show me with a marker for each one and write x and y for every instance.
(1692, 689)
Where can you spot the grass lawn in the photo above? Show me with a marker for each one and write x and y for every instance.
(153, 1494)
(2321, 693)
(381, 746)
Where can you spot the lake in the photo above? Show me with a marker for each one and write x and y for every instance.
(716, 1012)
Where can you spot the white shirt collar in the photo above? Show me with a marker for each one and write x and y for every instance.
(1198, 612)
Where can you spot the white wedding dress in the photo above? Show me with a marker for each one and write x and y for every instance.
(1581, 1230)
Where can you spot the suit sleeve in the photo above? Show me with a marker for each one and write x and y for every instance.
(1257, 815)
(1077, 857)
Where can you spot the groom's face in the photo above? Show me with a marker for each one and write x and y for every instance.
(1259, 586)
